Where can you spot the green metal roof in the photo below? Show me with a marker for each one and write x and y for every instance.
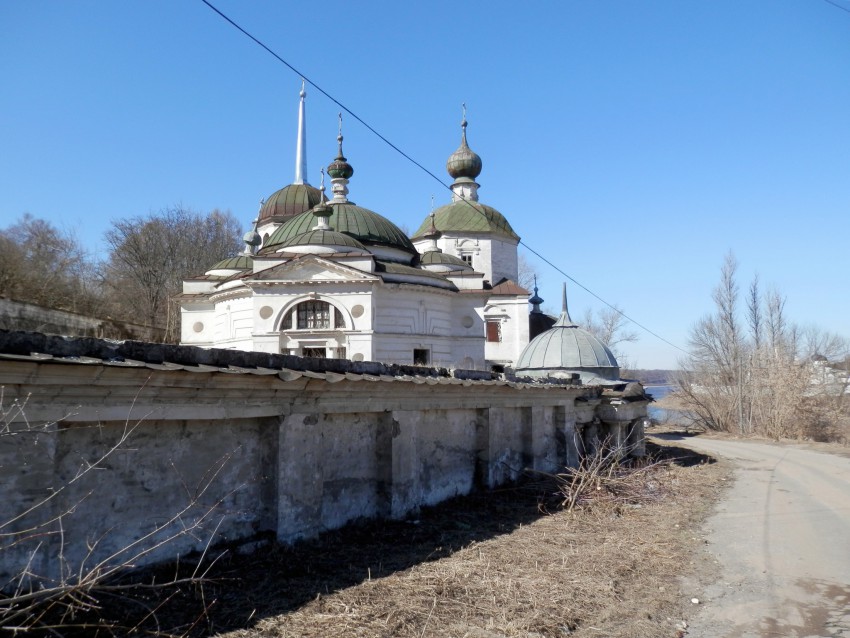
(470, 217)
(289, 201)
(241, 262)
(360, 223)
(436, 257)
(323, 238)
(392, 268)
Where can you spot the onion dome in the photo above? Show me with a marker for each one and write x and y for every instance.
(536, 299)
(465, 216)
(340, 168)
(378, 234)
(252, 238)
(464, 162)
(565, 349)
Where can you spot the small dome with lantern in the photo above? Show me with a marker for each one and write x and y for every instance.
(566, 349)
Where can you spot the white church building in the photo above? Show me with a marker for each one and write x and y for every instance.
(329, 278)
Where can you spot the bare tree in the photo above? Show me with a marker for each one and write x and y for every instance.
(150, 256)
(610, 326)
(42, 264)
(526, 273)
(759, 375)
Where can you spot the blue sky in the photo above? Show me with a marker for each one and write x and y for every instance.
(631, 143)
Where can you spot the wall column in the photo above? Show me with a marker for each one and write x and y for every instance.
(300, 477)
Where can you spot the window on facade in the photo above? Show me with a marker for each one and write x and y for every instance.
(313, 315)
(421, 357)
(494, 331)
(316, 353)
(467, 257)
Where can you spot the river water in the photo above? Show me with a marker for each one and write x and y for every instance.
(658, 392)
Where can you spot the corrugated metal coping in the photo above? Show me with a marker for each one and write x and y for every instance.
(284, 374)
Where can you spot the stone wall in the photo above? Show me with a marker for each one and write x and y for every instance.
(19, 315)
(124, 445)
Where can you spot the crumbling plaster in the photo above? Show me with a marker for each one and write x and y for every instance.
(244, 451)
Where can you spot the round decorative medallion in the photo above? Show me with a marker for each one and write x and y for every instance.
(198, 327)
(467, 322)
(266, 312)
(357, 311)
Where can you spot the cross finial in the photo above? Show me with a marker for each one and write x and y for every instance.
(463, 121)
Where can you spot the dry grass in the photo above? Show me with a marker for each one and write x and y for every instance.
(504, 564)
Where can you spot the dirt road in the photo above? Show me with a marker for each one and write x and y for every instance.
(782, 538)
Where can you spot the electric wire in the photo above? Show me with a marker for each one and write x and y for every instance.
(835, 4)
(327, 95)
(432, 175)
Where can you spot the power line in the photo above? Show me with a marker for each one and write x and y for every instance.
(590, 292)
(420, 166)
(835, 4)
(327, 95)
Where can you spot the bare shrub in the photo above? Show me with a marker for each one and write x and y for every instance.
(608, 476)
(45, 584)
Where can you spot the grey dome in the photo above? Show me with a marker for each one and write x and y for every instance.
(565, 349)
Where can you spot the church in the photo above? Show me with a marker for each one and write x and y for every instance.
(325, 277)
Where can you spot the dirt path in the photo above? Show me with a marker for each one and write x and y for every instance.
(782, 538)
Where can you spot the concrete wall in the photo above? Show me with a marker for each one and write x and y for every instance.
(124, 452)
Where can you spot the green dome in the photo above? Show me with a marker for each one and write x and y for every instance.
(241, 262)
(289, 201)
(360, 223)
(437, 258)
(328, 238)
(465, 216)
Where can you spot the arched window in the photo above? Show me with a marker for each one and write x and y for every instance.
(313, 315)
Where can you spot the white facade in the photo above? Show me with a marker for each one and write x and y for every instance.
(320, 285)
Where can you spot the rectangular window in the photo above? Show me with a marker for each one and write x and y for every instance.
(421, 357)
(314, 314)
(316, 353)
(494, 331)
(467, 257)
